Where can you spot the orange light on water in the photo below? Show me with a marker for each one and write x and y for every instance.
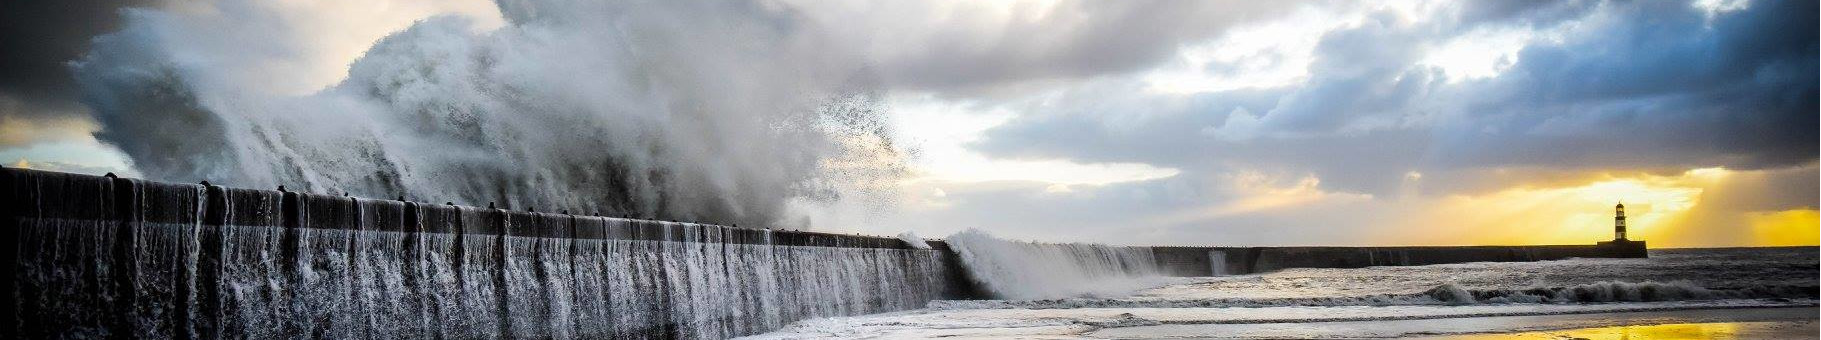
(1718, 330)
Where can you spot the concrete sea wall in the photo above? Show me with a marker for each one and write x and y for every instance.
(1205, 261)
(102, 257)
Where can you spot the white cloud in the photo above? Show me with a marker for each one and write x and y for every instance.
(1269, 54)
(1716, 7)
(1480, 54)
(940, 131)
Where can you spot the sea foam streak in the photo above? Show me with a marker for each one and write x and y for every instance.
(1670, 280)
(1444, 294)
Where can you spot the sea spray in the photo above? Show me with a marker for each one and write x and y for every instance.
(569, 105)
(911, 238)
(1025, 270)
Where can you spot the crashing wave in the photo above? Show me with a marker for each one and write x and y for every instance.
(1026, 270)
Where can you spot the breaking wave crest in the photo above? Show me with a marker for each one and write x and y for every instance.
(1444, 294)
(1026, 270)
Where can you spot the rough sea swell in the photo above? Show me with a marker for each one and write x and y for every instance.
(1448, 294)
(1277, 304)
(1668, 275)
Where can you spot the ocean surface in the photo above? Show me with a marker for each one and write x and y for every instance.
(1673, 286)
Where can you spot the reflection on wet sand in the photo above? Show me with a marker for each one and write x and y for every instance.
(1717, 330)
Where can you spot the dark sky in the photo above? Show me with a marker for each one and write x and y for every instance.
(39, 38)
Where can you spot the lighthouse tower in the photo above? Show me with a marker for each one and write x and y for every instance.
(1620, 245)
(1618, 223)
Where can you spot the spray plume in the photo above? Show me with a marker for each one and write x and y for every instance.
(720, 112)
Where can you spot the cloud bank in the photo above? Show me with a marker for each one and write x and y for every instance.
(1400, 106)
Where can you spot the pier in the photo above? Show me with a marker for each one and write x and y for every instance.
(107, 257)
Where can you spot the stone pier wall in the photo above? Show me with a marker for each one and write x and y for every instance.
(103, 257)
(1204, 261)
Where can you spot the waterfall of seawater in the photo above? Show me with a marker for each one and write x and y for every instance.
(162, 263)
(1025, 270)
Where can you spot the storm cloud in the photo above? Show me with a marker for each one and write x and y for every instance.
(1614, 88)
(1641, 86)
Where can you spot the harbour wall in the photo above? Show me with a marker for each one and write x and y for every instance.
(1206, 261)
(105, 257)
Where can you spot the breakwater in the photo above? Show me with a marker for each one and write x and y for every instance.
(103, 257)
(1206, 261)
(1016, 270)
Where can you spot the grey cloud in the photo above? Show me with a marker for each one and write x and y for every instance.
(1129, 213)
(1076, 40)
(38, 97)
(1655, 89)
(1540, 13)
(25, 122)
(38, 37)
(1662, 92)
(1359, 74)
(1089, 123)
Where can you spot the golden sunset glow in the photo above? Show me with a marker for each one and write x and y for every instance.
(1785, 228)
(1658, 208)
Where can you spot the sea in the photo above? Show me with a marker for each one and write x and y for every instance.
(1675, 293)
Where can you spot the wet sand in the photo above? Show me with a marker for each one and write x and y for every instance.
(1713, 330)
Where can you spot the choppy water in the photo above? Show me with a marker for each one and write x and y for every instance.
(1668, 280)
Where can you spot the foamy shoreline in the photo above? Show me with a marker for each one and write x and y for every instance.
(1803, 329)
(1266, 322)
(1770, 321)
(1671, 287)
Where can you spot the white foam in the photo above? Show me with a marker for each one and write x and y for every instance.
(911, 238)
(1443, 294)
(1723, 281)
(1024, 270)
(1089, 322)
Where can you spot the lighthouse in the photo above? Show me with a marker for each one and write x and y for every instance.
(1618, 222)
(1621, 245)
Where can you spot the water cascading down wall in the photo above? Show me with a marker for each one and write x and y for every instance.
(103, 257)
